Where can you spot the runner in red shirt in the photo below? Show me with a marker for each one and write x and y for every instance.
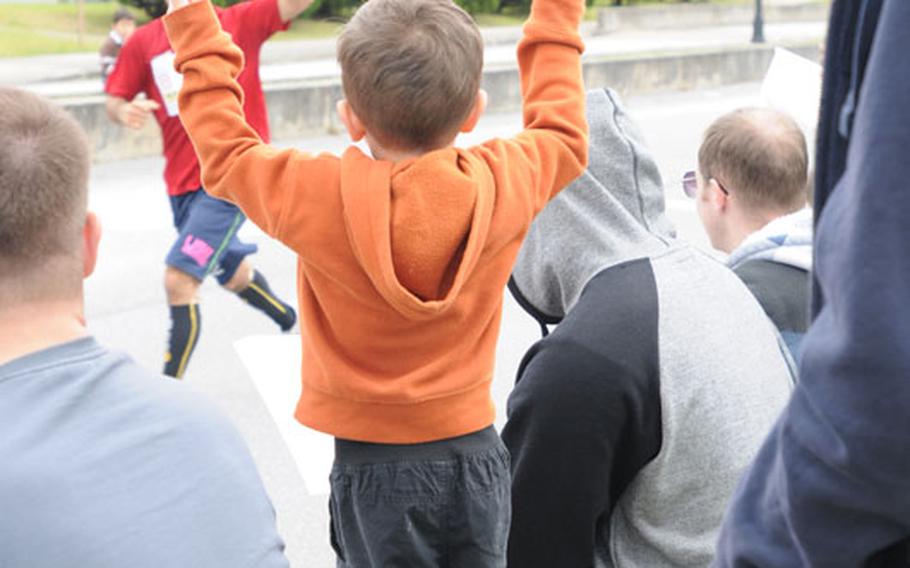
(207, 228)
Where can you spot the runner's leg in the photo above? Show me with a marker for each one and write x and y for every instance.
(206, 228)
(185, 321)
(253, 288)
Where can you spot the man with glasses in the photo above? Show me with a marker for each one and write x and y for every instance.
(750, 193)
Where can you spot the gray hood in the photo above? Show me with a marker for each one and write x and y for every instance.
(612, 214)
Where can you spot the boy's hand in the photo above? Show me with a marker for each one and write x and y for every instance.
(174, 5)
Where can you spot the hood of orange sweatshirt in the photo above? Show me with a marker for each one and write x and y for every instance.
(417, 227)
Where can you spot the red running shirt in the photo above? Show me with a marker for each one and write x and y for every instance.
(146, 65)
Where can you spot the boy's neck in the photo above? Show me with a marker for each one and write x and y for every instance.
(396, 155)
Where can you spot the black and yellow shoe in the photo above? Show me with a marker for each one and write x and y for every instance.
(259, 295)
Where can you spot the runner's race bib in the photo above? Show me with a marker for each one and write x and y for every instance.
(168, 80)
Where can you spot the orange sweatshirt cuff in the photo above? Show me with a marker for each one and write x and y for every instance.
(555, 21)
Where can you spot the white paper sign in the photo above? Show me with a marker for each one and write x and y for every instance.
(168, 80)
(793, 85)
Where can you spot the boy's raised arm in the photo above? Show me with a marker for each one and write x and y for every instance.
(553, 149)
(236, 165)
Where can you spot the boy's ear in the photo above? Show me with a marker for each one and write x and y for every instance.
(480, 105)
(350, 120)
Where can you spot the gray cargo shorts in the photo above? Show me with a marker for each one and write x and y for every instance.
(444, 504)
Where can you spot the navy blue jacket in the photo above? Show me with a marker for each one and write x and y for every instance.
(831, 485)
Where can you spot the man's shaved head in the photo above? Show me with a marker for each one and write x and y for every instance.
(760, 155)
(44, 168)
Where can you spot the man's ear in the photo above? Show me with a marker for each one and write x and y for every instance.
(91, 237)
(480, 105)
(350, 120)
(718, 199)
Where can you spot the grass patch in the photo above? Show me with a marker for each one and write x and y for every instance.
(16, 42)
(61, 18)
(35, 29)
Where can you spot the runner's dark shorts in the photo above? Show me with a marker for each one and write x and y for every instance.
(444, 504)
(207, 240)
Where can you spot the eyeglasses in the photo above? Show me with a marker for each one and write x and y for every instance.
(690, 184)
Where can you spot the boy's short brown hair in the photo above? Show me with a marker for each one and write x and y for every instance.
(761, 155)
(44, 167)
(411, 70)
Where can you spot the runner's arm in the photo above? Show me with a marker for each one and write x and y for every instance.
(114, 106)
(253, 22)
(132, 114)
(265, 182)
(290, 9)
(125, 82)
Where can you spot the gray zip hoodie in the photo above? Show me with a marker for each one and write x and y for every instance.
(631, 423)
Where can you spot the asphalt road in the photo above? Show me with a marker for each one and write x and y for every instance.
(126, 302)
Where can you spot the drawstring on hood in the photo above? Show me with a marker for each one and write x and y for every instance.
(612, 214)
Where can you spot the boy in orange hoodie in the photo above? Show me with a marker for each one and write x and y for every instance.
(403, 256)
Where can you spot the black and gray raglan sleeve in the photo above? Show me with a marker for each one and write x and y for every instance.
(584, 419)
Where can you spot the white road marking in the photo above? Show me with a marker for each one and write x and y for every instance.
(273, 362)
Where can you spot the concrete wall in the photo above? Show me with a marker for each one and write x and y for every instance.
(308, 107)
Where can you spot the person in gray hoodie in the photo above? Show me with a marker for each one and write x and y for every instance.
(631, 422)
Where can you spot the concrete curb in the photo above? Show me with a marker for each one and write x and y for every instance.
(307, 107)
(676, 16)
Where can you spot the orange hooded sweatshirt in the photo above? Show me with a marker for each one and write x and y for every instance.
(402, 266)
